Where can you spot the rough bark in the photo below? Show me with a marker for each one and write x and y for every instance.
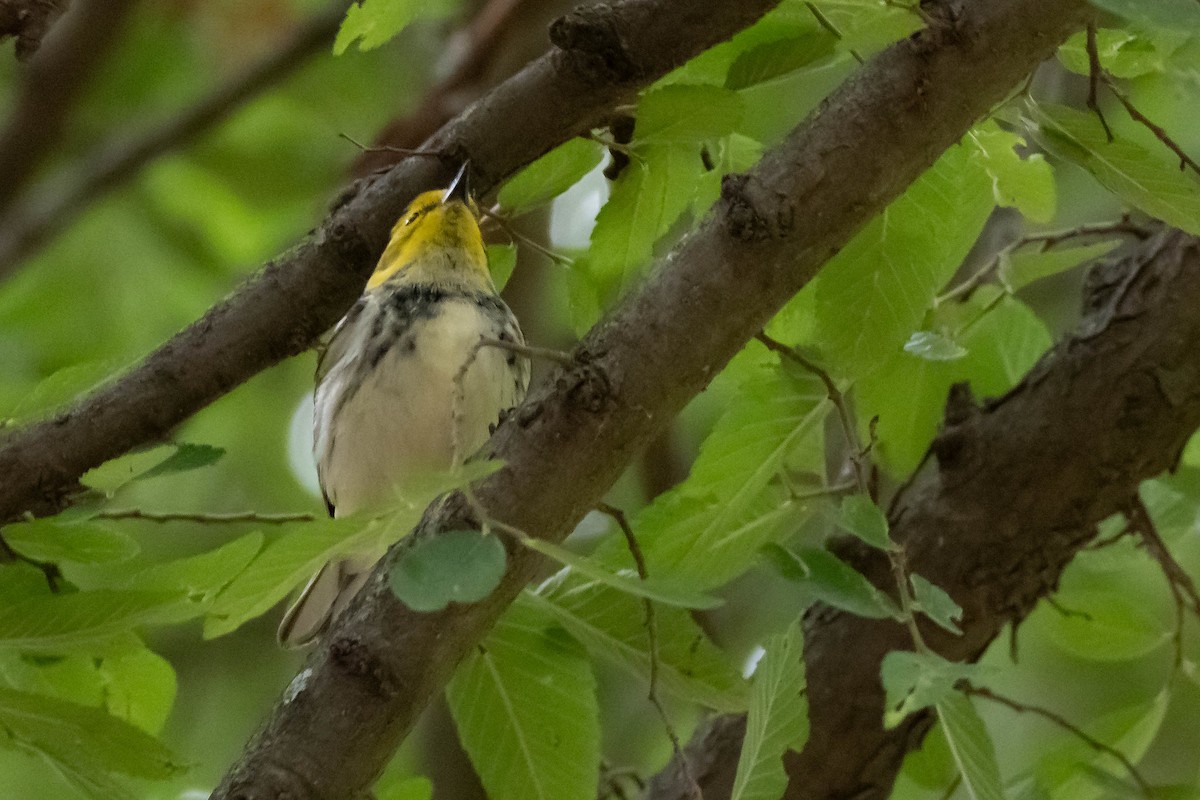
(29, 21)
(361, 691)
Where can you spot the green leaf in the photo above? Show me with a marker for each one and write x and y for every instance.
(81, 543)
(502, 260)
(1026, 184)
(912, 681)
(1182, 15)
(59, 387)
(862, 518)
(669, 592)
(304, 547)
(708, 529)
(686, 115)
(1023, 267)
(611, 625)
(874, 293)
(1002, 345)
(837, 584)
(462, 566)
(139, 687)
(651, 193)
(550, 175)
(777, 720)
(525, 707)
(82, 737)
(63, 621)
(1124, 53)
(1145, 180)
(934, 346)
(186, 458)
(1104, 626)
(375, 22)
(771, 59)
(971, 747)
(409, 788)
(933, 601)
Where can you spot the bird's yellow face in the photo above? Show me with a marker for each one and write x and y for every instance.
(436, 241)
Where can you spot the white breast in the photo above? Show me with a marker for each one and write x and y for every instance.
(402, 419)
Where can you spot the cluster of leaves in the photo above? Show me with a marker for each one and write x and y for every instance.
(893, 331)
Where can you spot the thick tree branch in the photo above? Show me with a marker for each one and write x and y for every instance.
(603, 56)
(30, 224)
(362, 690)
(1014, 490)
(50, 86)
(29, 21)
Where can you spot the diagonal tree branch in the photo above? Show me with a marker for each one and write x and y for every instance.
(29, 225)
(50, 86)
(602, 56)
(361, 691)
(1014, 491)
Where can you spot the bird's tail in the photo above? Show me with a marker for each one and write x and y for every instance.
(325, 596)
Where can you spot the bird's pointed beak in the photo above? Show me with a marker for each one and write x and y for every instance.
(460, 187)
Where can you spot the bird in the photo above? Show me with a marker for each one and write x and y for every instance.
(404, 385)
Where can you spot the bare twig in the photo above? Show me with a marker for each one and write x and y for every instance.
(826, 23)
(513, 233)
(1159, 132)
(1067, 725)
(112, 163)
(1095, 75)
(203, 518)
(1183, 588)
(652, 647)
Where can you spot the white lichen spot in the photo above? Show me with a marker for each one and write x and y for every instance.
(298, 685)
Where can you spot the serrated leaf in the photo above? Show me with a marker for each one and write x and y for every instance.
(462, 566)
(115, 473)
(771, 59)
(934, 346)
(1026, 184)
(76, 735)
(933, 601)
(1123, 53)
(971, 747)
(651, 193)
(525, 707)
(1026, 266)
(1002, 346)
(82, 543)
(502, 260)
(375, 22)
(912, 681)
(186, 458)
(63, 621)
(1146, 180)
(668, 592)
(550, 175)
(777, 720)
(875, 292)
(1108, 626)
(708, 529)
(861, 517)
(679, 114)
(139, 687)
(837, 584)
(611, 625)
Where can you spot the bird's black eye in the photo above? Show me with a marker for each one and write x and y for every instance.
(412, 218)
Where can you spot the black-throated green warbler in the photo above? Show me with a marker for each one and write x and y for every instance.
(403, 386)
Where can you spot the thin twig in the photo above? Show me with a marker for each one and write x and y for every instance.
(1095, 75)
(385, 148)
(48, 569)
(513, 233)
(204, 518)
(1065, 724)
(826, 23)
(639, 560)
(1183, 589)
(859, 456)
(1159, 132)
